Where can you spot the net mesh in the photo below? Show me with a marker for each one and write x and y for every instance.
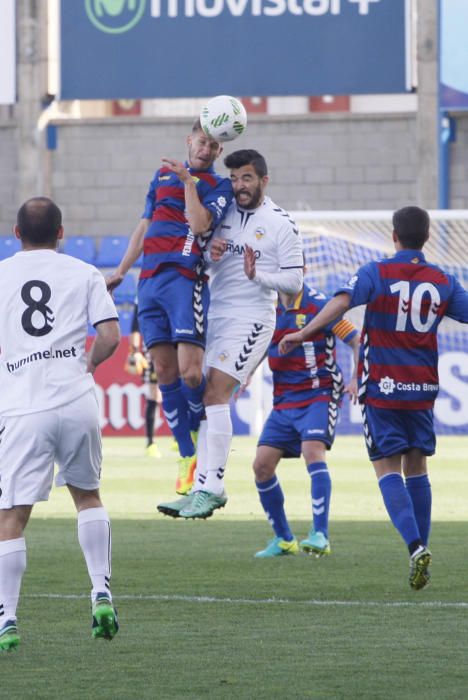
(336, 244)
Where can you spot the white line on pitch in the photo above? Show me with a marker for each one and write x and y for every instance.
(264, 601)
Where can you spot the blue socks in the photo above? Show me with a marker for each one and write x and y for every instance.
(177, 415)
(419, 489)
(272, 500)
(194, 399)
(400, 507)
(320, 490)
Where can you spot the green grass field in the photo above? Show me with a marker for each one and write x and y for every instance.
(201, 618)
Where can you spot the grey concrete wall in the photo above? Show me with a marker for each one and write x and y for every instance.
(8, 176)
(459, 165)
(101, 169)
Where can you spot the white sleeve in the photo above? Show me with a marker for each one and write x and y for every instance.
(289, 281)
(101, 306)
(290, 276)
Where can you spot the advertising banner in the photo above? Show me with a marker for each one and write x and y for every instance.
(133, 49)
(122, 396)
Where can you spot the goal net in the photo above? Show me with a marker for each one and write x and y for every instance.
(336, 244)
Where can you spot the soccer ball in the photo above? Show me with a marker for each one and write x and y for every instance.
(223, 118)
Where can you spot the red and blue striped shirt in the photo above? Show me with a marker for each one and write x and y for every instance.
(169, 240)
(406, 299)
(309, 373)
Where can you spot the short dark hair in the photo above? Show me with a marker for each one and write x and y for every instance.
(411, 225)
(39, 220)
(196, 126)
(247, 156)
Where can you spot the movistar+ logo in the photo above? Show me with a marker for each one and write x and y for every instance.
(115, 16)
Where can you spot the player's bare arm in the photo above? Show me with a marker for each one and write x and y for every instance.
(105, 343)
(134, 250)
(249, 262)
(331, 311)
(198, 217)
(352, 387)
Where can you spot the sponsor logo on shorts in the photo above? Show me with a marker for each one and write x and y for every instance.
(387, 385)
(315, 431)
(185, 331)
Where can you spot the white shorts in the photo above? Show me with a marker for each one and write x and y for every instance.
(29, 445)
(237, 346)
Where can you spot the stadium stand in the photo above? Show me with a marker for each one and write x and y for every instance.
(9, 245)
(125, 293)
(125, 320)
(111, 251)
(82, 247)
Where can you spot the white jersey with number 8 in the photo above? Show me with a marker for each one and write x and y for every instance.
(47, 300)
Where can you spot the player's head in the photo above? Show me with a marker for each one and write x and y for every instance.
(411, 227)
(202, 150)
(249, 177)
(39, 223)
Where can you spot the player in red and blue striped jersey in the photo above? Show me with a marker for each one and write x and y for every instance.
(185, 201)
(406, 299)
(307, 391)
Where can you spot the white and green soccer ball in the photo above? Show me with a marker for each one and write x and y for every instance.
(223, 118)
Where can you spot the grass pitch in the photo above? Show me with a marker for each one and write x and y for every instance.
(201, 618)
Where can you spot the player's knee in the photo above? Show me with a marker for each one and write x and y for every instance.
(192, 377)
(262, 470)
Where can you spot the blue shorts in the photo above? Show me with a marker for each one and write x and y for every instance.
(172, 309)
(288, 428)
(391, 432)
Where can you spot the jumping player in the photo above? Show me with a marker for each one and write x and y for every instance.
(406, 298)
(256, 251)
(308, 388)
(184, 202)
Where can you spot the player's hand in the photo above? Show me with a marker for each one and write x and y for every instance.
(289, 342)
(352, 390)
(90, 367)
(178, 168)
(249, 262)
(113, 281)
(217, 249)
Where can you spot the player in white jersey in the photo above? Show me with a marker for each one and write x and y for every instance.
(48, 403)
(256, 252)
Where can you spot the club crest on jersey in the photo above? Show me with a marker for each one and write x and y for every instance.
(195, 179)
(223, 355)
(259, 233)
(415, 260)
(300, 320)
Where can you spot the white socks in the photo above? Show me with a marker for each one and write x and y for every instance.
(202, 447)
(12, 568)
(218, 439)
(94, 536)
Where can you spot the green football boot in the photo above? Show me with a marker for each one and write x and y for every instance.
(315, 543)
(9, 637)
(105, 623)
(277, 547)
(203, 505)
(420, 562)
(173, 508)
